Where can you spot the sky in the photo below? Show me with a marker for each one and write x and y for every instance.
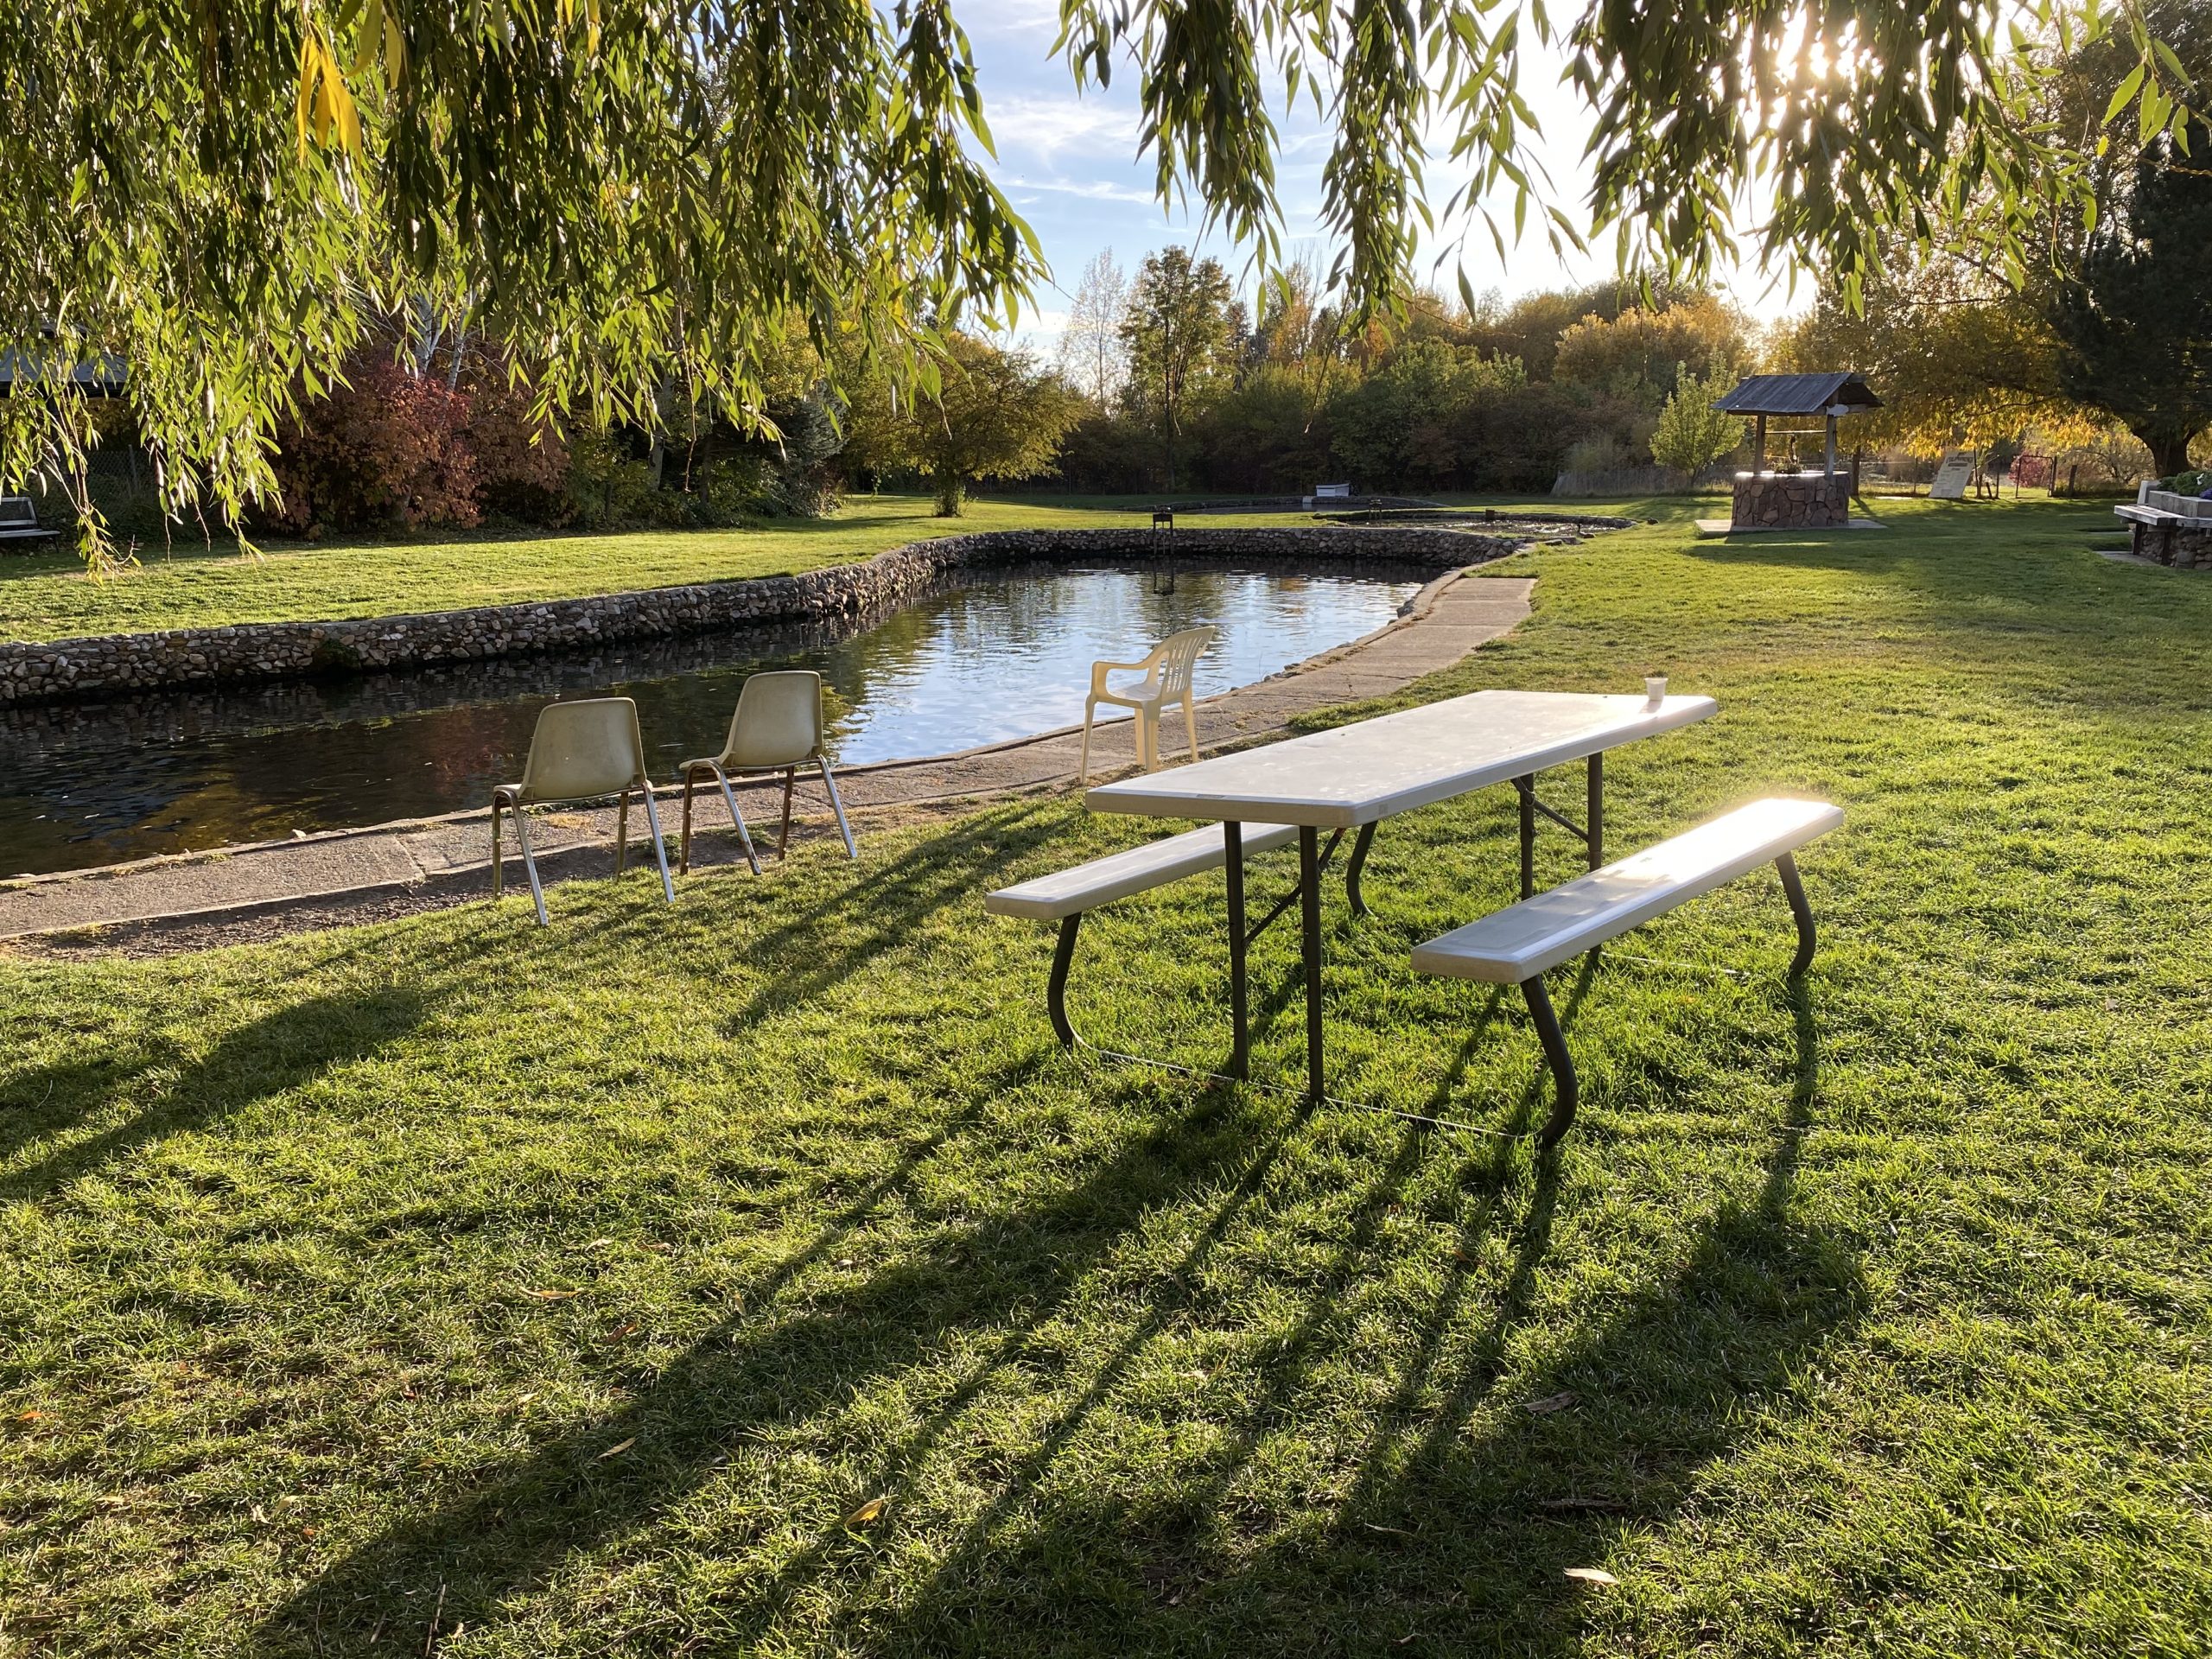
(1069, 162)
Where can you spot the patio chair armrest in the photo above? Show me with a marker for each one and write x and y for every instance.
(1099, 670)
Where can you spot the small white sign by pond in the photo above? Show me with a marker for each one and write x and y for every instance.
(1952, 477)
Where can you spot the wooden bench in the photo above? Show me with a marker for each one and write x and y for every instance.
(1066, 895)
(19, 520)
(1514, 946)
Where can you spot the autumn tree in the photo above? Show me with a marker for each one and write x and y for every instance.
(1180, 330)
(1637, 354)
(993, 414)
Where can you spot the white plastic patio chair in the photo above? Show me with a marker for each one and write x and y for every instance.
(579, 751)
(777, 727)
(1166, 681)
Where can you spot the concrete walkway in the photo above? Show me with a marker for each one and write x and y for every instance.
(244, 892)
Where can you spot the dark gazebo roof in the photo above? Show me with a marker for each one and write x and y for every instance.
(103, 377)
(1798, 394)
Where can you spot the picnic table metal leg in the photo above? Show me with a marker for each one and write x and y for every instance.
(1593, 833)
(1526, 788)
(1358, 863)
(1794, 886)
(1564, 1085)
(1232, 837)
(1309, 896)
(1056, 987)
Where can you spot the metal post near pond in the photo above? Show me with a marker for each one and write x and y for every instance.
(1163, 542)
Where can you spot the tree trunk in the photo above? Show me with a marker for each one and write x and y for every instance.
(2169, 450)
(951, 494)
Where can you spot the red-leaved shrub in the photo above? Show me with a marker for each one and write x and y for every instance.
(387, 448)
(522, 468)
(394, 449)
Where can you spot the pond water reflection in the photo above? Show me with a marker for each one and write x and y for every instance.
(1007, 658)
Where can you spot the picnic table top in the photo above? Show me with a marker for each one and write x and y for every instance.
(1373, 769)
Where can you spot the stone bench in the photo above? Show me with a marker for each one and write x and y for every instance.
(2175, 530)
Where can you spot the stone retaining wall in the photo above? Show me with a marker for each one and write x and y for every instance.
(116, 664)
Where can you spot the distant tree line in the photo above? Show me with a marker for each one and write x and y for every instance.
(1184, 386)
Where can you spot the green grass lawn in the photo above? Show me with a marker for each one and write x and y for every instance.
(48, 596)
(756, 1277)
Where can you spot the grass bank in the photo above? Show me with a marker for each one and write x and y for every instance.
(757, 1277)
(48, 596)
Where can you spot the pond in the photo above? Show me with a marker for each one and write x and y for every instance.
(986, 661)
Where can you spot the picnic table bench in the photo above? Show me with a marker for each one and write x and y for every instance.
(1516, 945)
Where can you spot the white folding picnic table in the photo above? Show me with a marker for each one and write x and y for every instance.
(1353, 776)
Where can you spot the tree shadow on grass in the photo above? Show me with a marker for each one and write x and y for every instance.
(1008, 1270)
(266, 1057)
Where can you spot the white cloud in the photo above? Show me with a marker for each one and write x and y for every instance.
(1050, 126)
(1089, 189)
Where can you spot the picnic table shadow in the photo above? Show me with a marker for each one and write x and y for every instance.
(1007, 1271)
(1758, 1291)
(1462, 1538)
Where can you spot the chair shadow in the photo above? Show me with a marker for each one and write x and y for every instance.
(265, 1057)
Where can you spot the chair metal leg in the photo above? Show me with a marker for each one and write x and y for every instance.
(1563, 1062)
(660, 847)
(1089, 711)
(683, 846)
(1056, 987)
(784, 841)
(529, 865)
(1240, 1046)
(495, 846)
(744, 835)
(1794, 886)
(622, 834)
(838, 807)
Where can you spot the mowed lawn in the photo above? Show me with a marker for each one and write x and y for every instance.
(48, 596)
(757, 1277)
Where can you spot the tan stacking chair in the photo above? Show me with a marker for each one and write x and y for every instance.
(579, 751)
(777, 727)
(1167, 681)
